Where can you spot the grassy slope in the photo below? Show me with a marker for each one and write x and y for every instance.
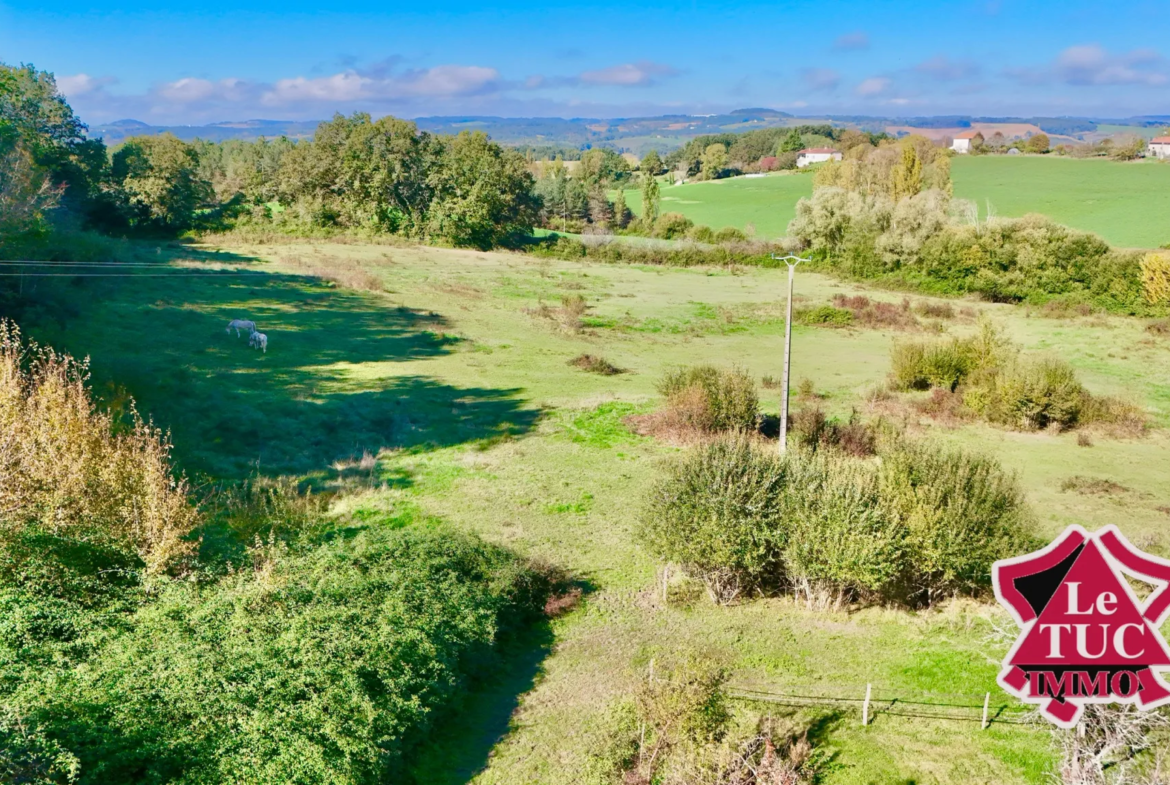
(768, 203)
(450, 358)
(1126, 203)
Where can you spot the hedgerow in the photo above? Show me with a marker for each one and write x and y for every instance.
(326, 666)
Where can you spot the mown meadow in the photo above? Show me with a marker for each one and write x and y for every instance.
(424, 385)
(1123, 202)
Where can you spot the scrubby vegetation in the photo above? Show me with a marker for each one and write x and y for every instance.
(288, 650)
(678, 729)
(997, 382)
(922, 524)
(928, 241)
(702, 400)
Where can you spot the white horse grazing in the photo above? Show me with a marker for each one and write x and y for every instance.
(259, 341)
(240, 324)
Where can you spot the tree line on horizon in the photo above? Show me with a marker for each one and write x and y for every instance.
(356, 173)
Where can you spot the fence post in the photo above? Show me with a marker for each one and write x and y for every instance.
(865, 707)
(986, 701)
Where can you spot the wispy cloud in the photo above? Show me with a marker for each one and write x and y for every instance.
(944, 69)
(873, 87)
(640, 74)
(852, 41)
(1090, 65)
(820, 79)
(79, 85)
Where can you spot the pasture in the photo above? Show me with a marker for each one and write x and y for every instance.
(430, 383)
(1125, 203)
(766, 203)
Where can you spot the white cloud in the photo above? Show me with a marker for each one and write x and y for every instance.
(1091, 65)
(192, 91)
(639, 74)
(82, 84)
(442, 81)
(872, 87)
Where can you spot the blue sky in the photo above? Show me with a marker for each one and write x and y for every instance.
(170, 63)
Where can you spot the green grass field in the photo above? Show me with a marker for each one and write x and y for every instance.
(1125, 203)
(766, 203)
(1128, 204)
(458, 388)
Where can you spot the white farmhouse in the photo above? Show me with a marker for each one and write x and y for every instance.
(1159, 147)
(962, 142)
(816, 155)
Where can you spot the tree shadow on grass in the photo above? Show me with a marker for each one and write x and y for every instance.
(329, 388)
(463, 742)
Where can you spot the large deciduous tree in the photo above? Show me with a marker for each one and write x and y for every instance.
(160, 182)
(482, 193)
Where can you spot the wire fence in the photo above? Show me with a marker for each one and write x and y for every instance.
(869, 704)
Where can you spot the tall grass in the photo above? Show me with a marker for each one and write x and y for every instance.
(71, 470)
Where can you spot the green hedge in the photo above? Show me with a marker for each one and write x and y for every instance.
(329, 665)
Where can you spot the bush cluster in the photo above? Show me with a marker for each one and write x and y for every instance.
(922, 523)
(326, 666)
(998, 383)
(931, 242)
(711, 400)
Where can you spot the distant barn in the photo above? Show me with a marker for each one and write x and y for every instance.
(816, 155)
(962, 142)
(1159, 147)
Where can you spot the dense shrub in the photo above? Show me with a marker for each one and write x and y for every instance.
(959, 513)
(325, 666)
(672, 225)
(715, 513)
(922, 523)
(933, 243)
(710, 399)
(595, 364)
(73, 471)
(823, 316)
(1028, 394)
(998, 383)
(919, 365)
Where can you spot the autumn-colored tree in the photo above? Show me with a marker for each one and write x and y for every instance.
(1156, 278)
(714, 161)
(907, 175)
(1038, 143)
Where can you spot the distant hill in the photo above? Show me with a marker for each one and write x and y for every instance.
(636, 135)
(117, 132)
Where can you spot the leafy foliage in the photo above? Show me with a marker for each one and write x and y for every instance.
(329, 665)
(711, 399)
(923, 523)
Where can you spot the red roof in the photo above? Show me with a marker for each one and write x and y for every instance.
(968, 135)
(818, 150)
(1160, 140)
